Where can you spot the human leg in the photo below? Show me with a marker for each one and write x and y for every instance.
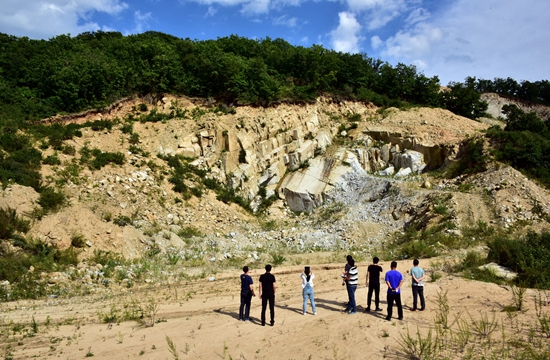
(241, 308)
(369, 296)
(415, 297)
(352, 304)
(264, 306)
(421, 295)
(377, 296)
(272, 308)
(390, 299)
(348, 289)
(305, 297)
(248, 301)
(312, 300)
(399, 306)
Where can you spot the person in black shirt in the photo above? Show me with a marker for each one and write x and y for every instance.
(373, 283)
(267, 293)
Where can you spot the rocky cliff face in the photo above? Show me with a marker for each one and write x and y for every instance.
(372, 168)
(496, 102)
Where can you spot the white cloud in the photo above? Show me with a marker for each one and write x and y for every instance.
(251, 7)
(285, 21)
(211, 11)
(47, 18)
(485, 39)
(141, 21)
(500, 39)
(379, 12)
(345, 37)
(256, 7)
(413, 43)
(375, 42)
(417, 15)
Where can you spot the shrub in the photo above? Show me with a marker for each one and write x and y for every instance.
(51, 200)
(100, 125)
(104, 158)
(122, 220)
(472, 160)
(277, 259)
(11, 222)
(52, 160)
(127, 128)
(189, 231)
(134, 139)
(78, 240)
(68, 150)
(529, 257)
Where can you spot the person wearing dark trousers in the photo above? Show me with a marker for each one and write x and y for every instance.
(373, 284)
(247, 292)
(417, 275)
(267, 294)
(352, 279)
(394, 280)
(345, 275)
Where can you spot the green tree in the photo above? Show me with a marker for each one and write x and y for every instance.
(464, 100)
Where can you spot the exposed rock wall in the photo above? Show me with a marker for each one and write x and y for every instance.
(289, 149)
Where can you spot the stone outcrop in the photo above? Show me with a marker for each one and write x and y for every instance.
(291, 151)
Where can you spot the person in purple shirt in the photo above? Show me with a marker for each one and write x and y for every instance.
(394, 280)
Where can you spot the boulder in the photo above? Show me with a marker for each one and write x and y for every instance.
(500, 271)
(387, 171)
(403, 172)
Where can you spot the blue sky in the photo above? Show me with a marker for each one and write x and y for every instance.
(448, 38)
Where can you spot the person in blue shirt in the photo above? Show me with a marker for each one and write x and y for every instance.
(247, 291)
(394, 280)
(417, 275)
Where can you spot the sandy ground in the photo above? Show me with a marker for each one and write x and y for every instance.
(200, 318)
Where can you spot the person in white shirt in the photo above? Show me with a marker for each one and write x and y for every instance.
(352, 279)
(307, 289)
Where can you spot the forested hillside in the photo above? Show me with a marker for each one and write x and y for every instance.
(41, 78)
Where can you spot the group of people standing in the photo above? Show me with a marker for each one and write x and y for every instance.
(394, 281)
(266, 289)
(350, 278)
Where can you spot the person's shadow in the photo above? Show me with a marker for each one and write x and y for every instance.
(228, 313)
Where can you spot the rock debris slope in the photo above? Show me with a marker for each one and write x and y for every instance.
(372, 169)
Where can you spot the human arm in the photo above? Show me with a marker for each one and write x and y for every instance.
(260, 290)
(367, 278)
(419, 279)
(274, 288)
(399, 286)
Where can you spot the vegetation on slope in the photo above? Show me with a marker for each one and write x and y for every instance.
(41, 78)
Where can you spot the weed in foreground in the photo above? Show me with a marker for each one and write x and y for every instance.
(416, 347)
(172, 348)
(484, 327)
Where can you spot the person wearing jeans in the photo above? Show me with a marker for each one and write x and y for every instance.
(307, 289)
(352, 279)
